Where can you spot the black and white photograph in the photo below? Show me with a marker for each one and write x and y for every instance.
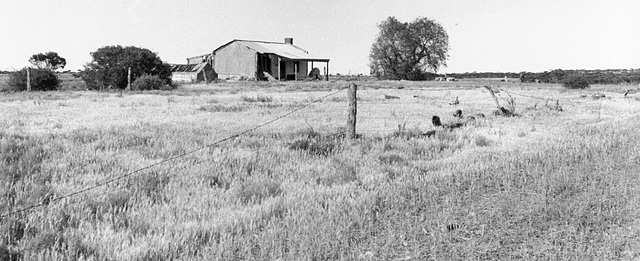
(143, 130)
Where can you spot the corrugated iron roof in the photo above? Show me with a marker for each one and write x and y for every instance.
(285, 50)
(187, 67)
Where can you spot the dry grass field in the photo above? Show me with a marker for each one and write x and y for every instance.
(546, 184)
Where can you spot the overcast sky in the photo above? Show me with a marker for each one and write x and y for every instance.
(484, 35)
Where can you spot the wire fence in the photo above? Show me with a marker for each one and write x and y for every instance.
(382, 114)
(45, 203)
(388, 113)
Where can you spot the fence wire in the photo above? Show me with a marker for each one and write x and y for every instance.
(139, 170)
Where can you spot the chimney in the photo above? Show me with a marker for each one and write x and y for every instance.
(288, 40)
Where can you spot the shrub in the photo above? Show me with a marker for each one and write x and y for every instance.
(41, 80)
(148, 82)
(111, 64)
(575, 82)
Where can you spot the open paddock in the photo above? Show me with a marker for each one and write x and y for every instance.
(224, 185)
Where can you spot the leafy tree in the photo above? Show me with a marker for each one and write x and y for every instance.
(41, 80)
(409, 51)
(110, 65)
(49, 60)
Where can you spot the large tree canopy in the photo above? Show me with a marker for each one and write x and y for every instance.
(409, 51)
(49, 60)
(110, 65)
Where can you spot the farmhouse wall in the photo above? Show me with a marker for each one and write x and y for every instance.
(235, 60)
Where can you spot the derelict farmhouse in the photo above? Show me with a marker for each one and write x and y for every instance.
(252, 60)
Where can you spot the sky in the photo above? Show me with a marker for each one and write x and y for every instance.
(484, 35)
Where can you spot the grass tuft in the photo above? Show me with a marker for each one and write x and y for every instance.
(256, 191)
(258, 98)
(482, 141)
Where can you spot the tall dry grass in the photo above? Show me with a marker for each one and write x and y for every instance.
(300, 191)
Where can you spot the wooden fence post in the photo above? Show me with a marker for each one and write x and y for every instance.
(28, 79)
(353, 109)
(129, 79)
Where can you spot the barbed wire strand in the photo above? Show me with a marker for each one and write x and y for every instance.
(169, 159)
(542, 98)
(222, 153)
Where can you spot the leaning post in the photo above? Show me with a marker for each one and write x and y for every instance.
(353, 108)
(493, 95)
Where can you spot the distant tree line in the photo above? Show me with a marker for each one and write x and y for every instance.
(611, 76)
(473, 75)
(590, 76)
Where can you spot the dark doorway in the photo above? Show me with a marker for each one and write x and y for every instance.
(264, 65)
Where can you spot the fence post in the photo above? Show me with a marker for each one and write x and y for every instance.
(353, 108)
(28, 79)
(129, 79)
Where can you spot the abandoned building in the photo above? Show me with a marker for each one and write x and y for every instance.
(253, 60)
(192, 72)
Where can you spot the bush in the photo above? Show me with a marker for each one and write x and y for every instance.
(148, 82)
(575, 82)
(41, 80)
(111, 65)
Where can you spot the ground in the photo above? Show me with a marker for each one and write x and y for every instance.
(197, 173)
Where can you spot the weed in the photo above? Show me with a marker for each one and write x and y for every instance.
(223, 108)
(321, 147)
(12, 231)
(9, 254)
(219, 182)
(256, 191)
(341, 172)
(46, 240)
(118, 201)
(482, 141)
(151, 185)
(391, 158)
(259, 98)
(406, 134)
